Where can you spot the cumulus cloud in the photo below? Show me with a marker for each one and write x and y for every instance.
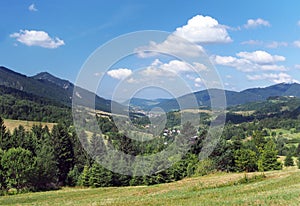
(273, 77)
(187, 40)
(32, 8)
(296, 43)
(37, 38)
(253, 23)
(120, 73)
(251, 61)
(203, 29)
(172, 68)
(173, 45)
(297, 66)
(260, 57)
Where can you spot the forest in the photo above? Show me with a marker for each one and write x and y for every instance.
(41, 159)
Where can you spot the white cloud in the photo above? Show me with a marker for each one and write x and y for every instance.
(252, 42)
(240, 64)
(297, 66)
(173, 45)
(37, 38)
(251, 61)
(98, 74)
(32, 8)
(203, 29)
(120, 73)
(186, 40)
(271, 45)
(176, 66)
(297, 43)
(298, 23)
(253, 23)
(276, 44)
(173, 68)
(275, 78)
(260, 57)
(198, 80)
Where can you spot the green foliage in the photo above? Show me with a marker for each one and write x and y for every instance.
(205, 167)
(73, 177)
(64, 153)
(5, 140)
(18, 166)
(46, 170)
(246, 160)
(100, 176)
(268, 158)
(288, 161)
(84, 177)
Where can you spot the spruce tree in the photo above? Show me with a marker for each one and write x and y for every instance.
(268, 158)
(5, 140)
(64, 154)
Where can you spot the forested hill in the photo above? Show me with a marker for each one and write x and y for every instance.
(232, 97)
(20, 105)
(48, 86)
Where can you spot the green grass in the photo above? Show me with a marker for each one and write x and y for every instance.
(278, 188)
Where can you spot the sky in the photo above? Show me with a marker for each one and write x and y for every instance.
(249, 43)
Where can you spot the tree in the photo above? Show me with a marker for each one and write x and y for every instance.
(268, 158)
(2, 174)
(5, 141)
(73, 176)
(246, 160)
(84, 177)
(64, 153)
(97, 147)
(288, 161)
(299, 162)
(18, 164)
(45, 167)
(100, 176)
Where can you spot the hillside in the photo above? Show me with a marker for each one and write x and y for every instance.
(20, 105)
(50, 87)
(278, 188)
(232, 97)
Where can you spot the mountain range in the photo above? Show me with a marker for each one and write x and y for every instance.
(48, 86)
(233, 98)
(53, 88)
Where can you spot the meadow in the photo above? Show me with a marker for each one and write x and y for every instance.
(12, 124)
(276, 188)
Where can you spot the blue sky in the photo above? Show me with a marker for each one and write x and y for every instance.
(251, 43)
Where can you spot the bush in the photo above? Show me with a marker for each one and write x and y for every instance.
(205, 167)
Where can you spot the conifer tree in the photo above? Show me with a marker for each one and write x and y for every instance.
(268, 158)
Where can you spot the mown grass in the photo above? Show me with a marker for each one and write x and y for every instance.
(278, 188)
(12, 124)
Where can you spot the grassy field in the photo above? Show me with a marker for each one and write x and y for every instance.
(12, 124)
(278, 188)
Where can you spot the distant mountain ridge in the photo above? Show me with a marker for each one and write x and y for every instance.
(232, 97)
(53, 88)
